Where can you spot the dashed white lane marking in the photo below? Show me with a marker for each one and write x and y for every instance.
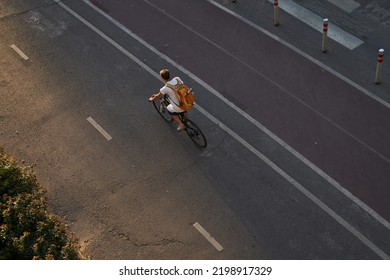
(347, 5)
(334, 32)
(19, 52)
(208, 236)
(322, 205)
(99, 128)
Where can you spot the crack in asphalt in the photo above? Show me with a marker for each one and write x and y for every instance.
(162, 242)
(113, 231)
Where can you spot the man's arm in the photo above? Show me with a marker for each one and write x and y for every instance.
(155, 96)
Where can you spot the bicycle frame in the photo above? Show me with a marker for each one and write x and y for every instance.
(192, 130)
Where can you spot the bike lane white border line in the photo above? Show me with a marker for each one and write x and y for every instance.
(305, 55)
(291, 180)
(329, 179)
(274, 83)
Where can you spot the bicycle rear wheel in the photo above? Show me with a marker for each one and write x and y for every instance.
(161, 107)
(195, 134)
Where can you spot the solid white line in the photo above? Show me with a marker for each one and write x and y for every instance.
(19, 52)
(208, 236)
(316, 22)
(347, 5)
(99, 128)
(243, 113)
(339, 219)
(298, 186)
(329, 179)
(305, 55)
(275, 84)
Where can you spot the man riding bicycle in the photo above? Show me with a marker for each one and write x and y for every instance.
(166, 90)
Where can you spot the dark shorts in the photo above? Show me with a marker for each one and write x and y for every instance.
(172, 114)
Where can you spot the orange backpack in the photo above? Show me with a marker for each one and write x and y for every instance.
(184, 94)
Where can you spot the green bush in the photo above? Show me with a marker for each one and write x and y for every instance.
(27, 230)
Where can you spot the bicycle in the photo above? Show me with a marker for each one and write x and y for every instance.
(192, 130)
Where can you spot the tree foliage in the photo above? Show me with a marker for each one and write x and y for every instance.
(27, 230)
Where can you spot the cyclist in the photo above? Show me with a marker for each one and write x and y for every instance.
(173, 108)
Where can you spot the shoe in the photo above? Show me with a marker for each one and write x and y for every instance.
(181, 127)
(162, 109)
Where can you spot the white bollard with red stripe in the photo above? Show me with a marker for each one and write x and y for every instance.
(378, 75)
(276, 13)
(325, 36)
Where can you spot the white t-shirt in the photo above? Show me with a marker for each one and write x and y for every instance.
(173, 107)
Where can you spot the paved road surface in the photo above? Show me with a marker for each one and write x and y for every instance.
(307, 107)
(297, 156)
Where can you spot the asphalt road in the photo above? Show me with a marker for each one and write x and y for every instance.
(297, 163)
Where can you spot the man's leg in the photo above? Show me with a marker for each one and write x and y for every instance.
(177, 120)
(185, 114)
(175, 117)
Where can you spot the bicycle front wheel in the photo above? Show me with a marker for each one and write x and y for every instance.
(161, 107)
(195, 134)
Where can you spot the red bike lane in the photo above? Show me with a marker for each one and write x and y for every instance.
(334, 125)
